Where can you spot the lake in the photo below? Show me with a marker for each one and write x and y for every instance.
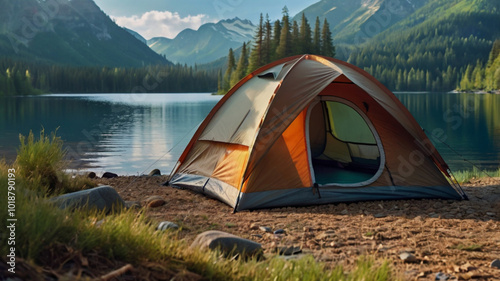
(131, 134)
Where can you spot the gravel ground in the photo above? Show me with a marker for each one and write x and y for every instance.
(455, 239)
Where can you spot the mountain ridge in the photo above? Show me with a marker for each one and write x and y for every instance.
(72, 32)
(208, 43)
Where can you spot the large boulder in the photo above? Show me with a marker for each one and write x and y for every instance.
(227, 243)
(102, 198)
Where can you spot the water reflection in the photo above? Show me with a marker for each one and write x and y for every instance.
(469, 123)
(119, 132)
(132, 134)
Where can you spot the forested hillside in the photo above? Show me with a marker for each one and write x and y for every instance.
(483, 77)
(431, 49)
(26, 78)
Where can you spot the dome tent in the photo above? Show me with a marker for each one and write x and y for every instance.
(310, 130)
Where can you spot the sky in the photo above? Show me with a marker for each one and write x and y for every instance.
(166, 18)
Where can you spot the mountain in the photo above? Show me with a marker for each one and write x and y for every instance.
(136, 35)
(357, 21)
(71, 32)
(210, 42)
(432, 47)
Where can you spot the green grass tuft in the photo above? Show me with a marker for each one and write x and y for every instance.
(467, 175)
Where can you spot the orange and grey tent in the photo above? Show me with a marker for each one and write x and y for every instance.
(311, 130)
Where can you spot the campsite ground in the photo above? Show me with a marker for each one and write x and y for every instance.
(457, 238)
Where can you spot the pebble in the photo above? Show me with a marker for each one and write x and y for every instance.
(279, 231)
(288, 251)
(495, 263)
(91, 175)
(490, 213)
(155, 201)
(108, 175)
(408, 257)
(254, 226)
(266, 229)
(380, 215)
(164, 225)
(440, 276)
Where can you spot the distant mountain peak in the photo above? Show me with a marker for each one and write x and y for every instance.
(210, 42)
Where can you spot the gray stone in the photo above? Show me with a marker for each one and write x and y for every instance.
(108, 175)
(165, 225)
(155, 172)
(279, 231)
(102, 198)
(495, 263)
(288, 251)
(408, 257)
(228, 243)
(440, 276)
(266, 229)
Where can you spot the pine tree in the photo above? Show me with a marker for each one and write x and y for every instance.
(295, 40)
(305, 36)
(257, 50)
(241, 67)
(285, 45)
(316, 44)
(276, 39)
(226, 82)
(267, 42)
(327, 48)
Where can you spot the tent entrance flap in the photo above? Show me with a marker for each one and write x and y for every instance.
(343, 144)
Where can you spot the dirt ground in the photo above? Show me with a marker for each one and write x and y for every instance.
(457, 239)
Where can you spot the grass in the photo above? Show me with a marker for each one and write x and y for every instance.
(466, 176)
(130, 236)
(40, 162)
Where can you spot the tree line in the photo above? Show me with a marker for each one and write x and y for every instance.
(273, 41)
(28, 78)
(433, 57)
(483, 77)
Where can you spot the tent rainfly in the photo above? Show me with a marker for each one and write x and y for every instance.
(310, 130)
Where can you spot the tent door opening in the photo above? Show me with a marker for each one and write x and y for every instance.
(344, 148)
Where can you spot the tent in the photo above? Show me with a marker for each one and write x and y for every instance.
(310, 130)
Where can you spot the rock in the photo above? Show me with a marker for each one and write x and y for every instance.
(254, 226)
(380, 215)
(154, 172)
(279, 231)
(495, 263)
(440, 276)
(266, 229)
(108, 175)
(288, 251)
(490, 214)
(102, 198)
(155, 201)
(91, 175)
(408, 257)
(164, 225)
(228, 243)
(132, 204)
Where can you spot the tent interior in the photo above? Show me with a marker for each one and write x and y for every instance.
(342, 146)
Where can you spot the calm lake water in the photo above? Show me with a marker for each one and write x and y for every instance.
(133, 134)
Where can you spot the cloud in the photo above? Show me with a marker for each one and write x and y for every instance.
(161, 23)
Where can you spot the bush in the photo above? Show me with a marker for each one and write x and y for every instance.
(40, 162)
